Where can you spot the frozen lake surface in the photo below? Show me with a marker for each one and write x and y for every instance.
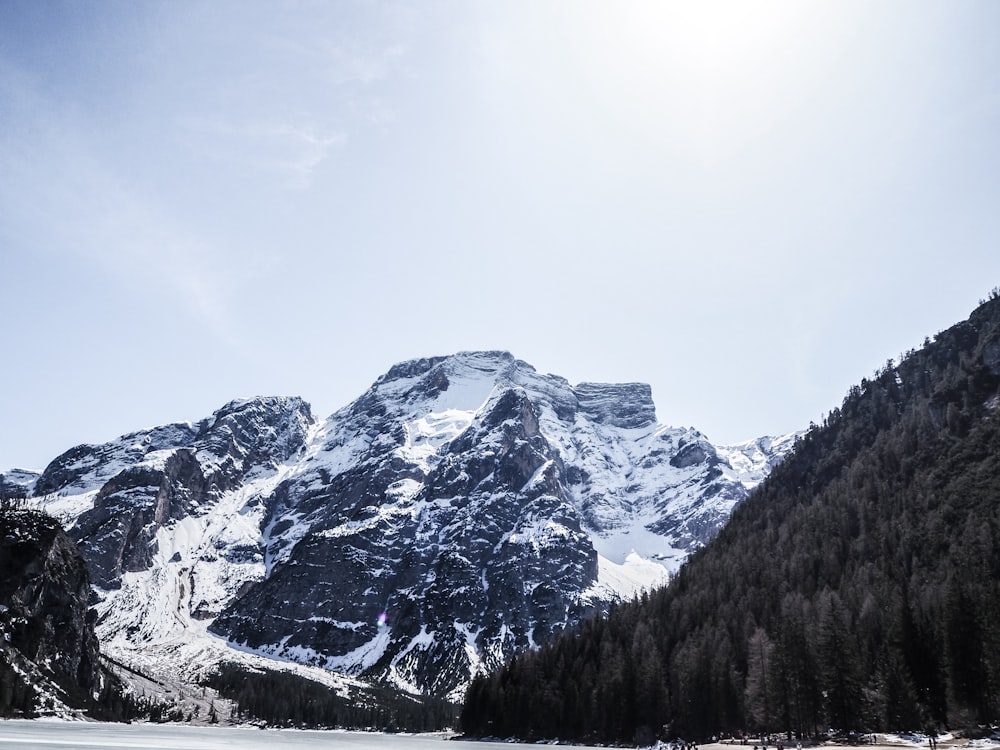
(22, 734)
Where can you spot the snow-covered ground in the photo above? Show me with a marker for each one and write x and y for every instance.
(887, 741)
(25, 735)
(946, 740)
(20, 734)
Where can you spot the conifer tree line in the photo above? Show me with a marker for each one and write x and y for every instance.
(288, 700)
(857, 589)
(21, 698)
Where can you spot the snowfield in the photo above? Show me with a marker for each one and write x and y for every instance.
(18, 734)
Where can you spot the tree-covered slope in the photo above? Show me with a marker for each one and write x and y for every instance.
(858, 587)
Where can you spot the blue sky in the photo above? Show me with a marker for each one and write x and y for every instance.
(748, 206)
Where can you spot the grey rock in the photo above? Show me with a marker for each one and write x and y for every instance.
(454, 513)
(46, 624)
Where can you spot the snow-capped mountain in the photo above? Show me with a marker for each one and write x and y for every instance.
(461, 509)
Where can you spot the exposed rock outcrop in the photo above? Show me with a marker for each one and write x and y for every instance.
(49, 656)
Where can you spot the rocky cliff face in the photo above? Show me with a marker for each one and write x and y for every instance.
(48, 649)
(462, 508)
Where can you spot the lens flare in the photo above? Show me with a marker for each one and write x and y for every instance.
(381, 619)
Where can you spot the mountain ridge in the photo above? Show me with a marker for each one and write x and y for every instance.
(463, 507)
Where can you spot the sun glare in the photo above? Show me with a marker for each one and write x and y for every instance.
(713, 75)
(717, 34)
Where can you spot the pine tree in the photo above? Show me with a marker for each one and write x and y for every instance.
(839, 665)
(759, 694)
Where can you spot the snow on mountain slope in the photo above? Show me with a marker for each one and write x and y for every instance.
(22, 480)
(462, 508)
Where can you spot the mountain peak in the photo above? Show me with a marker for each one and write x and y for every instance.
(275, 404)
(478, 505)
(489, 363)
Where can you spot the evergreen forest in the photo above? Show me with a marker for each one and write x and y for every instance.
(288, 700)
(857, 589)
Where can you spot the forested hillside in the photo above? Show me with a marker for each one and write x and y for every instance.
(858, 588)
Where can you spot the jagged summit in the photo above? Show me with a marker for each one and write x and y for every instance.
(490, 363)
(265, 428)
(469, 377)
(462, 508)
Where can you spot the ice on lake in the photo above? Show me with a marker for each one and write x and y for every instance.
(17, 734)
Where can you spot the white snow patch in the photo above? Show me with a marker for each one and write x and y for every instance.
(912, 739)
(627, 580)
(537, 477)
(471, 635)
(538, 533)
(66, 508)
(364, 655)
(427, 434)
(618, 545)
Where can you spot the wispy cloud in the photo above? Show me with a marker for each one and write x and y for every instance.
(340, 61)
(289, 152)
(297, 105)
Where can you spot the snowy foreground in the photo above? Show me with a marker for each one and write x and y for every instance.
(22, 735)
(19, 734)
